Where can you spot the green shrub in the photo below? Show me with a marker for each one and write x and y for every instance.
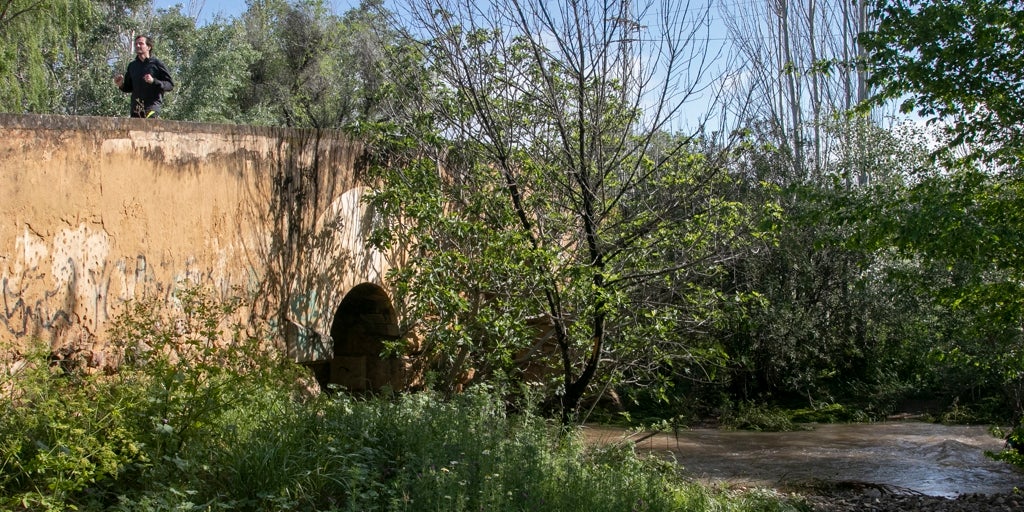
(62, 436)
(193, 365)
(200, 417)
(74, 439)
(756, 416)
(1009, 454)
(829, 413)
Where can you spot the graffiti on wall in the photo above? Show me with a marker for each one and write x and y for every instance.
(96, 212)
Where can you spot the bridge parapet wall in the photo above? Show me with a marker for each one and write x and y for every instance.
(97, 211)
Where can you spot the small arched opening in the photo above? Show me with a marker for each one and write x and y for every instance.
(363, 320)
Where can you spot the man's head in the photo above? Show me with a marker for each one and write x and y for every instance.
(143, 45)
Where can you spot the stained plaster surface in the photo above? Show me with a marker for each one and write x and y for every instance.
(95, 212)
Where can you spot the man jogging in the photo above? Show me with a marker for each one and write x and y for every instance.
(147, 79)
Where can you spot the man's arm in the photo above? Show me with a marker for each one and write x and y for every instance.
(124, 82)
(162, 77)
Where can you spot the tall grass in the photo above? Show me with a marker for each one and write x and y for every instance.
(181, 429)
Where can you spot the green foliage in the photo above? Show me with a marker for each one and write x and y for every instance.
(816, 312)
(297, 64)
(954, 230)
(475, 283)
(482, 283)
(903, 285)
(86, 443)
(280, 63)
(759, 417)
(954, 266)
(419, 452)
(193, 362)
(960, 222)
(831, 413)
(209, 64)
(956, 62)
(38, 52)
(549, 187)
(212, 72)
(62, 434)
(1011, 452)
(76, 439)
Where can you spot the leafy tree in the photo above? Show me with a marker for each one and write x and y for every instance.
(175, 42)
(965, 230)
(371, 69)
(40, 44)
(899, 286)
(309, 67)
(564, 202)
(210, 66)
(956, 62)
(63, 54)
(264, 100)
(94, 55)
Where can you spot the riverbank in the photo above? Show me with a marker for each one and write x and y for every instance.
(876, 501)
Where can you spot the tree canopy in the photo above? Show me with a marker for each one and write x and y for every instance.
(955, 62)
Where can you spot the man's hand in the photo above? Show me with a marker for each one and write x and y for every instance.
(119, 80)
(148, 78)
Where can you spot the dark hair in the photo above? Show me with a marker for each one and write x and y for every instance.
(149, 40)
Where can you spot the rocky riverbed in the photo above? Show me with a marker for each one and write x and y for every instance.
(874, 501)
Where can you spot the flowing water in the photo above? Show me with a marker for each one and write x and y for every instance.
(937, 460)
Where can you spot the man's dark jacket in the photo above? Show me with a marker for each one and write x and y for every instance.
(147, 98)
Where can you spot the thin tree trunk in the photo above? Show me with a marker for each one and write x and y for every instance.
(794, 97)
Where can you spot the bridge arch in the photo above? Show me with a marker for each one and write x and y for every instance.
(364, 319)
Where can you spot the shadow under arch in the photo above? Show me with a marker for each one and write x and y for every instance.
(363, 320)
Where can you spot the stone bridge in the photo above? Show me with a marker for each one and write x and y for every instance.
(95, 212)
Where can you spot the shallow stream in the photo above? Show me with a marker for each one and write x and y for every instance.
(932, 459)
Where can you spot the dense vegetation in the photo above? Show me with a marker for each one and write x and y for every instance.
(790, 245)
(179, 429)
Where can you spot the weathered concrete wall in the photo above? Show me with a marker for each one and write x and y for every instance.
(97, 211)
